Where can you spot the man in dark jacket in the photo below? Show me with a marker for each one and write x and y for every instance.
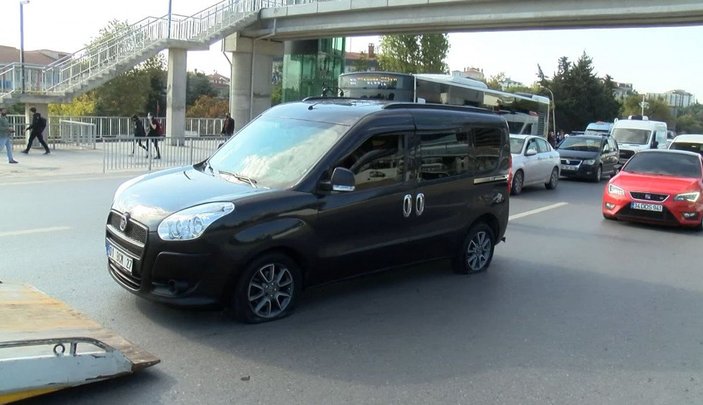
(228, 126)
(139, 133)
(37, 128)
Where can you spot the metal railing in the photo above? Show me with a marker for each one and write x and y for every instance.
(132, 45)
(139, 153)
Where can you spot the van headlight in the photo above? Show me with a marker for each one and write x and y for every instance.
(589, 162)
(690, 197)
(190, 223)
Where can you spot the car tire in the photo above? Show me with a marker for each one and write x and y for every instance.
(553, 180)
(267, 290)
(598, 175)
(518, 183)
(476, 251)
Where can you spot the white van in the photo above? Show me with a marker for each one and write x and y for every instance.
(638, 133)
(599, 128)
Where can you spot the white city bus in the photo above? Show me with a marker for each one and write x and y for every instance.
(525, 113)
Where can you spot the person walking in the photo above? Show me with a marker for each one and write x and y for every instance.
(139, 133)
(37, 128)
(154, 132)
(6, 135)
(228, 126)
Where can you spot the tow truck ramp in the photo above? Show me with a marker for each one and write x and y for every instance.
(46, 346)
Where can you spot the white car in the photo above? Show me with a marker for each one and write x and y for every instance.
(689, 142)
(534, 162)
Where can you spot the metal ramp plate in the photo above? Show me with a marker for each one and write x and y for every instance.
(46, 346)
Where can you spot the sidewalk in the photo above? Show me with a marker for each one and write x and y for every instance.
(64, 163)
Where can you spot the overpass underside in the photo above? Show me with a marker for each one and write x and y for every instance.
(377, 17)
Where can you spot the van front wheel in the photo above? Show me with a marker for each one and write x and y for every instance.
(267, 290)
(476, 251)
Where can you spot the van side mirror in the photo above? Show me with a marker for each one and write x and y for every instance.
(655, 144)
(342, 180)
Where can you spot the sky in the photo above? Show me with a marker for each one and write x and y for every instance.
(653, 59)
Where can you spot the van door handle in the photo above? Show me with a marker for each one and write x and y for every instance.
(419, 204)
(407, 205)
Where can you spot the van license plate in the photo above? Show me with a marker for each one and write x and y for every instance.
(646, 207)
(119, 257)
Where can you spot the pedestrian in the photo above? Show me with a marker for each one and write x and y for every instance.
(154, 132)
(228, 126)
(139, 133)
(551, 139)
(37, 127)
(6, 135)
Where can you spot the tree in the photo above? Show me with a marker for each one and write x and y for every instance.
(580, 97)
(423, 53)
(208, 106)
(80, 106)
(655, 109)
(197, 85)
(361, 64)
(690, 120)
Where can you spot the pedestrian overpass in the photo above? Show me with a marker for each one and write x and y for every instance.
(253, 30)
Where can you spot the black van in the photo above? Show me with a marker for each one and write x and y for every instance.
(311, 192)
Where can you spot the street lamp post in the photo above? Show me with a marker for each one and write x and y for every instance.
(554, 110)
(22, 3)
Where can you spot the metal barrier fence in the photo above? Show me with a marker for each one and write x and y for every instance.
(108, 127)
(126, 153)
(78, 134)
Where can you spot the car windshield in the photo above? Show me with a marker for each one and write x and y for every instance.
(516, 145)
(632, 135)
(274, 153)
(689, 146)
(581, 144)
(664, 164)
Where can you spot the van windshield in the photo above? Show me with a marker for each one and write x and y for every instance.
(631, 135)
(581, 144)
(275, 153)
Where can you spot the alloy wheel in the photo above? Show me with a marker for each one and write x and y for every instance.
(270, 290)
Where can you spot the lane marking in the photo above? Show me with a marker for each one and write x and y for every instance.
(33, 231)
(537, 211)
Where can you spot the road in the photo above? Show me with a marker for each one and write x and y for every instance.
(574, 309)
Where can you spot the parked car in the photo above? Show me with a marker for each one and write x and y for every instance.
(311, 192)
(689, 142)
(589, 156)
(657, 186)
(534, 162)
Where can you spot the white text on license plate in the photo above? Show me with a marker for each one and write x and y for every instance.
(646, 206)
(119, 257)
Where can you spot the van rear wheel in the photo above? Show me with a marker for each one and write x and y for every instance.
(476, 251)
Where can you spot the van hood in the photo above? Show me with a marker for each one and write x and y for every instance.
(153, 197)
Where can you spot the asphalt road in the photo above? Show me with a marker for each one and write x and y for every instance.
(574, 310)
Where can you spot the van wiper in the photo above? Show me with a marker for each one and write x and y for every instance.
(240, 177)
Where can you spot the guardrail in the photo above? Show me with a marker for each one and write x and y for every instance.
(125, 153)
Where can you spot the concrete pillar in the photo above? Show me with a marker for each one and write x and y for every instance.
(176, 95)
(252, 66)
(42, 109)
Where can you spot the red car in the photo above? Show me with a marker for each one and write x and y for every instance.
(657, 186)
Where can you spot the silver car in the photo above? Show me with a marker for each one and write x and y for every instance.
(534, 162)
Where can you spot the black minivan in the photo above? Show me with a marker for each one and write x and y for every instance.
(311, 192)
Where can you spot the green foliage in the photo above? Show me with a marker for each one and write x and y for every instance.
(80, 106)
(277, 93)
(423, 53)
(655, 109)
(361, 64)
(690, 120)
(580, 96)
(197, 85)
(208, 107)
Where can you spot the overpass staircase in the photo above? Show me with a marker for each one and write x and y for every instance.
(102, 61)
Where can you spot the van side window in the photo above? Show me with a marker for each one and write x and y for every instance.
(378, 161)
(442, 154)
(484, 150)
